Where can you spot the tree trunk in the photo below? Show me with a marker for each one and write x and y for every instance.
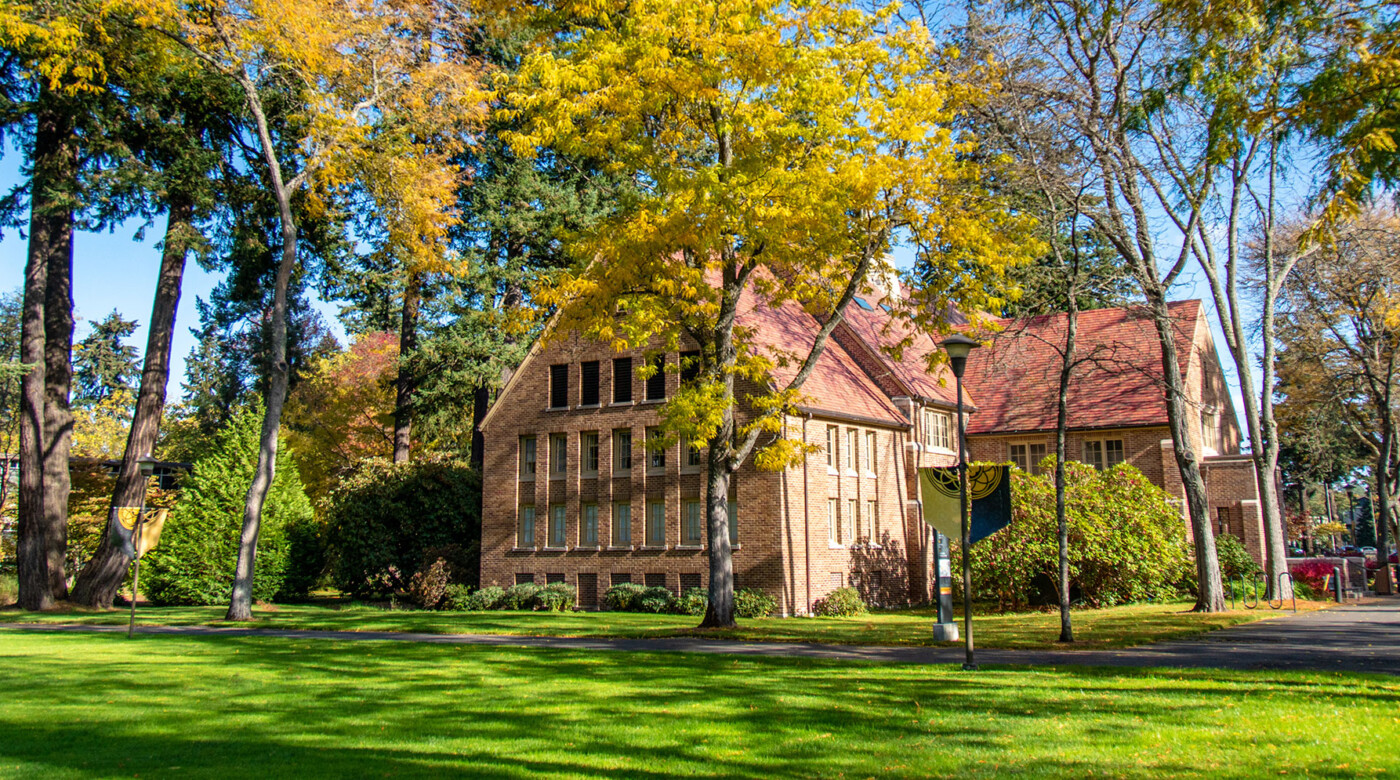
(1381, 512)
(47, 327)
(100, 579)
(720, 611)
(403, 385)
(1061, 426)
(1211, 596)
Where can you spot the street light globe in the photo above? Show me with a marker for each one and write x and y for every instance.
(958, 348)
(147, 464)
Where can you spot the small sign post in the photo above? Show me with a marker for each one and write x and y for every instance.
(945, 630)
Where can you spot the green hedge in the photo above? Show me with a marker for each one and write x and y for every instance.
(387, 521)
(1127, 541)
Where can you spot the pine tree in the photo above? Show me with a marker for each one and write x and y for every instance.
(102, 364)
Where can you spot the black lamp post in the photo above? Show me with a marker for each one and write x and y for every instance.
(148, 467)
(958, 347)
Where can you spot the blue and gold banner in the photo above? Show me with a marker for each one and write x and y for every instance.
(988, 488)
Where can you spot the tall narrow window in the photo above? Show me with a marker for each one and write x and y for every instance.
(1093, 454)
(588, 532)
(656, 451)
(852, 435)
(1112, 452)
(690, 527)
(833, 520)
(622, 524)
(558, 455)
(559, 386)
(588, 446)
(831, 446)
(525, 527)
(690, 367)
(1018, 457)
(1037, 454)
(556, 526)
(622, 450)
(527, 457)
(852, 525)
(733, 522)
(938, 430)
(870, 451)
(588, 376)
(656, 383)
(622, 380)
(872, 521)
(656, 524)
(692, 454)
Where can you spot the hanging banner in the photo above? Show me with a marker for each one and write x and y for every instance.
(150, 531)
(988, 488)
(123, 527)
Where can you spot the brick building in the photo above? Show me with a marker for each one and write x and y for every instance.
(572, 492)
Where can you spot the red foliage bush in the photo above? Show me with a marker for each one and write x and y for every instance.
(1314, 573)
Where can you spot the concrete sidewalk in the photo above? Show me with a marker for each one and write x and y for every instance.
(1361, 637)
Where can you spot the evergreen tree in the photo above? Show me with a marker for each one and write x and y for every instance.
(102, 364)
(194, 563)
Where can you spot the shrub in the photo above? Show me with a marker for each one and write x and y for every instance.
(692, 602)
(385, 520)
(1235, 561)
(656, 600)
(1312, 574)
(556, 597)
(842, 602)
(753, 603)
(520, 596)
(429, 585)
(489, 597)
(623, 597)
(1126, 541)
(457, 598)
(199, 545)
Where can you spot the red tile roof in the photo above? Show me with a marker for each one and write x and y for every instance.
(837, 383)
(880, 331)
(1016, 379)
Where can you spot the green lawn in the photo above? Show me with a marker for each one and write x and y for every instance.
(166, 706)
(1094, 629)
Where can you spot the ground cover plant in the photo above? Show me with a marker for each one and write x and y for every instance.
(1094, 629)
(273, 707)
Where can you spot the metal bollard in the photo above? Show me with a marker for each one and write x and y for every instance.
(1337, 582)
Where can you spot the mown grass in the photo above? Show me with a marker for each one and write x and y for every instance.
(1094, 629)
(168, 706)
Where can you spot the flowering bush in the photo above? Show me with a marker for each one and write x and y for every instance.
(1313, 573)
(1126, 541)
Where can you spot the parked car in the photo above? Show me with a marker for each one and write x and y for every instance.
(1368, 551)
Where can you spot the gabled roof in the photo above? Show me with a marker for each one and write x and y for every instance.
(837, 384)
(880, 331)
(1016, 377)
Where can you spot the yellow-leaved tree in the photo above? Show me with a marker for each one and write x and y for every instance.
(781, 150)
(366, 78)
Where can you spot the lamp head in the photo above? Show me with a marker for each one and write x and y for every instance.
(958, 348)
(148, 465)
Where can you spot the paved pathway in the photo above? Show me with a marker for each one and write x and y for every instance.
(1361, 637)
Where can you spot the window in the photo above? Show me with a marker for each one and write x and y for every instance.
(1112, 452)
(693, 456)
(622, 525)
(524, 578)
(733, 522)
(556, 526)
(831, 446)
(621, 578)
(525, 527)
(1027, 457)
(588, 445)
(622, 380)
(656, 450)
(559, 386)
(851, 522)
(938, 430)
(656, 524)
(872, 521)
(654, 579)
(558, 455)
(588, 533)
(689, 581)
(588, 374)
(527, 457)
(656, 383)
(1210, 432)
(851, 435)
(1222, 516)
(692, 512)
(554, 577)
(622, 450)
(690, 367)
(870, 451)
(1093, 454)
(833, 521)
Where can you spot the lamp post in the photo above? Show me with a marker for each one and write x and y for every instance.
(148, 467)
(958, 348)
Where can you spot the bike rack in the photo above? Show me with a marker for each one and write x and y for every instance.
(1291, 592)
